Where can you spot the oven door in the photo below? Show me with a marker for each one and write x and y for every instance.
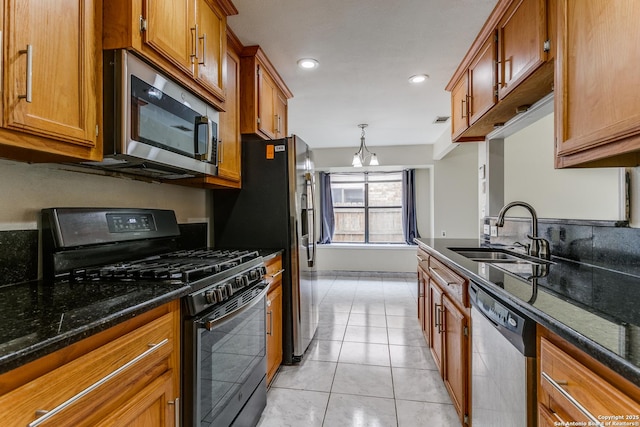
(225, 361)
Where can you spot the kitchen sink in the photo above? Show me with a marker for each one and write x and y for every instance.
(498, 255)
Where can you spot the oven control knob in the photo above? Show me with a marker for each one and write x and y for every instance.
(229, 289)
(211, 297)
(255, 274)
(220, 294)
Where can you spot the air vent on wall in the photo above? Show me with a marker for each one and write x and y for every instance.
(441, 119)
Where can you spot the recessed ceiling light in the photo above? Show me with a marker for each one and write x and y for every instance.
(418, 78)
(308, 63)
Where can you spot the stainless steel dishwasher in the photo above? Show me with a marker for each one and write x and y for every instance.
(503, 390)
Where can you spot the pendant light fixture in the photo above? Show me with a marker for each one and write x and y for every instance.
(363, 153)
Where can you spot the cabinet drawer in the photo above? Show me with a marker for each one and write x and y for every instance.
(453, 284)
(569, 385)
(83, 390)
(423, 259)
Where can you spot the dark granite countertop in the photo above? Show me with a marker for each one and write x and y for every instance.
(593, 307)
(39, 318)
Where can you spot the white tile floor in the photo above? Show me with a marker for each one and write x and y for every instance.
(367, 366)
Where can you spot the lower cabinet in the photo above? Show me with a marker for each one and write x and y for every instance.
(274, 316)
(444, 312)
(126, 375)
(575, 389)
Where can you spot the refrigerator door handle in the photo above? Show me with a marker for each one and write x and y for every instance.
(312, 259)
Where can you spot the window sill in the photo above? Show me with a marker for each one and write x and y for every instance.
(369, 246)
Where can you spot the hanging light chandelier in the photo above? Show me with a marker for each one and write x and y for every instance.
(363, 153)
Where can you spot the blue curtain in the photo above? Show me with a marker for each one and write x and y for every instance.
(326, 209)
(409, 223)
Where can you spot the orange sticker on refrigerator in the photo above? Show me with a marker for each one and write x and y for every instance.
(270, 151)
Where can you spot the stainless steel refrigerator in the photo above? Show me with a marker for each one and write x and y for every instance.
(275, 210)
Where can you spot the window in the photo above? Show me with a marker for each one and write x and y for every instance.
(367, 207)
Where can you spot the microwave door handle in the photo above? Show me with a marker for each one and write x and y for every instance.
(199, 122)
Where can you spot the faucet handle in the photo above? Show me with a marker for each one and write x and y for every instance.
(544, 251)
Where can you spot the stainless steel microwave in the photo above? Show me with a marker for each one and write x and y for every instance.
(152, 125)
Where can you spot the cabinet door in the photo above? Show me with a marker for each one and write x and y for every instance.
(456, 353)
(597, 107)
(482, 86)
(210, 46)
(281, 115)
(154, 406)
(421, 298)
(171, 30)
(229, 148)
(50, 82)
(267, 91)
(436, 329)
(274, 330)
(521, 36)
(460, 106)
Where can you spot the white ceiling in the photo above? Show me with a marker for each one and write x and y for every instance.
(367, 50)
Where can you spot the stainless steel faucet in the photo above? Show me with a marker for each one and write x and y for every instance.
(539, 245)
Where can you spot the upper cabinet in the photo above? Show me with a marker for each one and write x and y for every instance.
(597, 105)
(52, 84)
(507, 69)
(186, 38)
(263, 96)
(522, 41)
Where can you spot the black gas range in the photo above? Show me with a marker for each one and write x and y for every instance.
(223, 314)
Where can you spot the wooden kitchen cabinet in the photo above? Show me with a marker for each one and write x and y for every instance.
(446, 323)
(482, 81)
(459, 107)
(274, 316)
(185, 38)
(507, 68)
(128, 374)
(522, 33)
(52, 103)
(263, 96)
(568, 376)
(229, 156)
(597, 109)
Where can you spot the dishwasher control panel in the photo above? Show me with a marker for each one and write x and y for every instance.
(519, 330)
(495, 311)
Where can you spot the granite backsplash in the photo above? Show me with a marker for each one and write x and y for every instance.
(19, 251)
(608, 244)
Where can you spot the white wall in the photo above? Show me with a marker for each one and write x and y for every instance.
(27, 188)
(456, 193)
(529, 175)
(343, 257)
(326, 159)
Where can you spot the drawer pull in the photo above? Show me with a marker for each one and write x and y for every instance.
(420, 258)
(439, 277)
(276, 274)
(80, 395)
(570, 398)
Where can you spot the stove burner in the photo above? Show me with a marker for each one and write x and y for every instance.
(184, 266)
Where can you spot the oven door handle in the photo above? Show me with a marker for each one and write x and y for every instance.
(209, 324)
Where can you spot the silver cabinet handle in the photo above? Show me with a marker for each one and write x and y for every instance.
(570, 398)
(439, 277)
(176, 411)
(204, 49)
(277, 273)
(437, 315)
(29, 52)
(420, 259)
(73, 399)
(194, 41)
(270, 314)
